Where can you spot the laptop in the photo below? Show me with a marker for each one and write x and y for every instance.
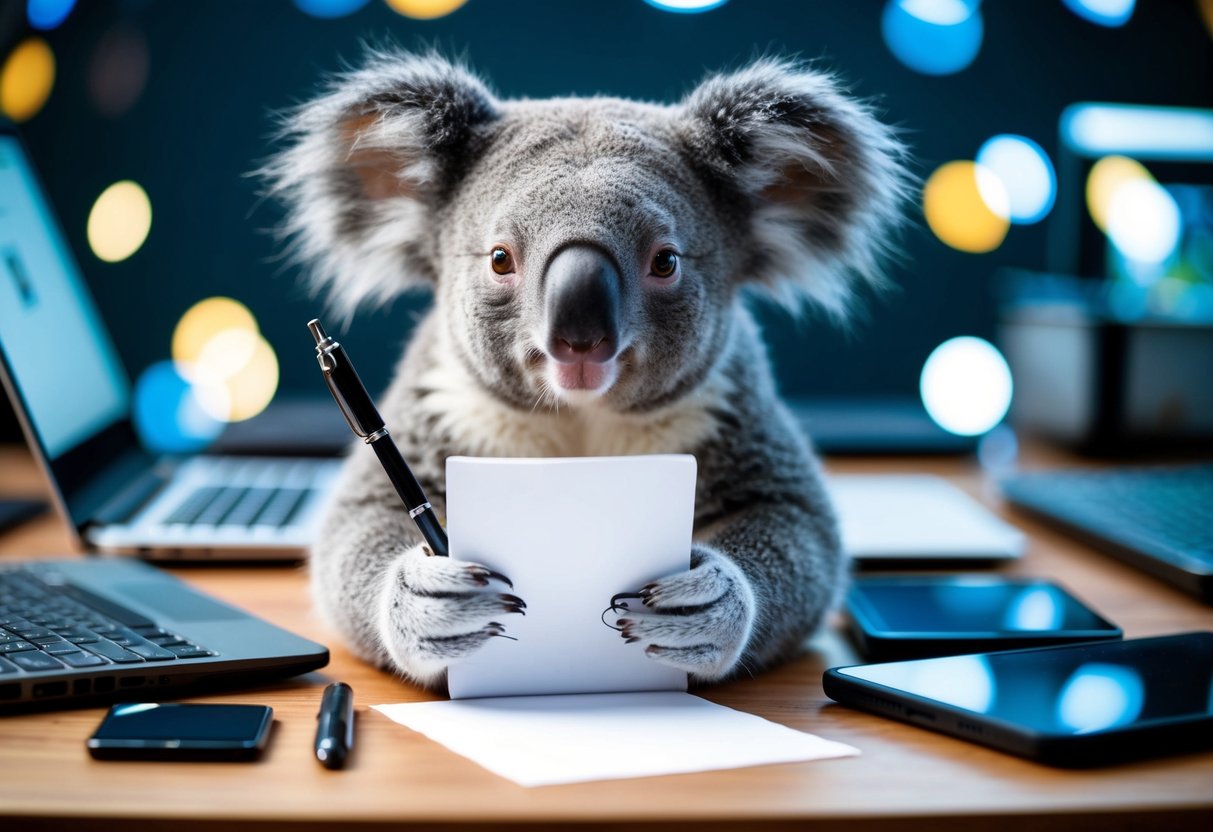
(77, 632)
(73, 399)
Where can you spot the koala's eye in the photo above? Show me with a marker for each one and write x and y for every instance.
(665, 262)
(503, 262)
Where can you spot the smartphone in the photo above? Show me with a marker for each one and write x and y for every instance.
(150, 731)
(1075, 706)
(919, 617)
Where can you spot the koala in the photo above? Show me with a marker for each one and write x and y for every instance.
(590, 260)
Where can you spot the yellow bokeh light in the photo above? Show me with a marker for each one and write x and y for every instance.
(120, 221)
(1206, 11)
(1105, 179)
(201, 323)
(954, 201)
(249, 389)
(424, 9)
(26, 79)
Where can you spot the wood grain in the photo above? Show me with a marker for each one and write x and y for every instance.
(906, 777)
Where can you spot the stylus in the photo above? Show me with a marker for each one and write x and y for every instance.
(367, 424)
(335, 727)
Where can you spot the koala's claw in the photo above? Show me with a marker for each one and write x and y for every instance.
(698, 620)
(436, 611)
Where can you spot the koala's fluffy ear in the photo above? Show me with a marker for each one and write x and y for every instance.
(824, 180)
(367, 164)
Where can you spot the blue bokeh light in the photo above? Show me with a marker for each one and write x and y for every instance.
(1026, 173)
(934, 37)
(47, 14)
(1104, 12)
(329, 9)
(686, 6)
(167, 413)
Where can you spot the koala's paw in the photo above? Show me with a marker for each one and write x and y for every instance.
(698, 621)
(435, 611)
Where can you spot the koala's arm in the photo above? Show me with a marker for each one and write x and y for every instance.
(766, 563)
(374, 583)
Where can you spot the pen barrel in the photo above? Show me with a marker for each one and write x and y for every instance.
(361, 406)
(411, 495)
(335, 730)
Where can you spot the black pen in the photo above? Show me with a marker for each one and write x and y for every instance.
(366, 423)
(335, 729)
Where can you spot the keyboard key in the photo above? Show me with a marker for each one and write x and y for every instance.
(82, 659)
(34, 661)
(189, 651)
(152, 653)
(16, 647)
(60, 647)
(7, 667)
(113, 652)
(46, 638)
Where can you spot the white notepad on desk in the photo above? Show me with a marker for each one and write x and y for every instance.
(570, 534)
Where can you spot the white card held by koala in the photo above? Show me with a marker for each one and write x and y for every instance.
(571, 534)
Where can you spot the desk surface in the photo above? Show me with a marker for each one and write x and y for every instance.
(905, 777)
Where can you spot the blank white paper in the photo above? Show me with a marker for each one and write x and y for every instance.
(549, 740)
(570, 534)
(917, 516)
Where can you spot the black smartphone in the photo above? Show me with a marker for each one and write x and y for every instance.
(1075, 706)
(150, 731)
(919, 617)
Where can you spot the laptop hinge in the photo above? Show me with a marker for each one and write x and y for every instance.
(129, 500)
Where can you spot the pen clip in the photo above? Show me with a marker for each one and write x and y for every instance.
(342, 404)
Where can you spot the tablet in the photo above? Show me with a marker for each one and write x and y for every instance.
(1077, 705)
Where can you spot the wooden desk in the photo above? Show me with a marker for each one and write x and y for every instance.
(907, 777)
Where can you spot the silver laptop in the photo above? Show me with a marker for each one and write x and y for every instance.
(73, 399)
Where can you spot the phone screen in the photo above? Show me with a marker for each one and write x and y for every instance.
(971, 606)
(152, 722)
(1069, 690)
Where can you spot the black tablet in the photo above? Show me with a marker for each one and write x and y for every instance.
(919, 617)
(1076, 705)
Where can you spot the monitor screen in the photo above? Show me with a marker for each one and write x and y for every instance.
(58, 351)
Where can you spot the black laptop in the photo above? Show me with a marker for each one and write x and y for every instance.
(75, 632)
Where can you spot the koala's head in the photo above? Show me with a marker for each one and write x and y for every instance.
(587, 250)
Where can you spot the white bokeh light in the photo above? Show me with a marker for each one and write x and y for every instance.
(966, 386)
(1144, 222)
(1026, 173)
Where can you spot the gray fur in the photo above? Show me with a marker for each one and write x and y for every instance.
(408, 172)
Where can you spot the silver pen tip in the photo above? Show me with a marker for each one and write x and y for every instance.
(317, 330)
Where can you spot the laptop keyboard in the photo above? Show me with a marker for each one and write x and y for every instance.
(1164, 512)
(239, 506)
(47, 626)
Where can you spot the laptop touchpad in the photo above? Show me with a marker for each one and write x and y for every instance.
(178, 602)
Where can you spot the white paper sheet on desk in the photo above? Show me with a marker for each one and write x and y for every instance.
(548, 740)
(570, 534)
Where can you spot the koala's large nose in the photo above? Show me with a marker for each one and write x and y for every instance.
(582, 303)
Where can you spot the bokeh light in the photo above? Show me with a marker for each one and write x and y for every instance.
(424, 9)
(329, 9)
(934, 37)
(1107, 176)
(1103, 12)
(26, 79)
(1144, 222)
(202, 322)
(47, 14)
(117, 72)
(1026, 173)
(120, 221)
(686, 6)
(218, 348)
(1099, 696)
(956, 202)
(168, 412)
(1206, 11)
(966, 386)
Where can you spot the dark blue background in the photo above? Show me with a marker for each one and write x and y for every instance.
(218, 70)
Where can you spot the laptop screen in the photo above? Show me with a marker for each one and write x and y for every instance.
(59, 354)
